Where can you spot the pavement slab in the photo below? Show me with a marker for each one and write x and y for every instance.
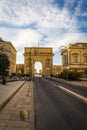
(10, 115)
(8, 90)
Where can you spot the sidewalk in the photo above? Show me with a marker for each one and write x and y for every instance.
(10, 118)
(8, 90)
(79, 83)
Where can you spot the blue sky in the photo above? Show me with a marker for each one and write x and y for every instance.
(51, 23)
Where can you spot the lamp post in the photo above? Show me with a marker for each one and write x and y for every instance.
(66, 60)
(67, 74)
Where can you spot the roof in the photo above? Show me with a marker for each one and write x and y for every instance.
(1, 40)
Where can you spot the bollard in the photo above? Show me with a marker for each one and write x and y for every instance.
(24, 115)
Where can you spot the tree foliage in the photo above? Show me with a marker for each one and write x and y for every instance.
(70, 75)
(4, 64)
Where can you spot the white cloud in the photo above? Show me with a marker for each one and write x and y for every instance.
(27, 38)
(54, 18)
(21, 12)
(27, 12)
(66, 39)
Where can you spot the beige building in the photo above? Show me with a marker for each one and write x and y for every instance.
(38, 54)
(8, 49)
(19, 68)
(74, 57)
(57, 69)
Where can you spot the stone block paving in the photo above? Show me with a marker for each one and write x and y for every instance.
(10, 115)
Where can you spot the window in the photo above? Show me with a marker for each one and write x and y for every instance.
(85, 71)
(65, 60)
(85, 58)
(75, 58)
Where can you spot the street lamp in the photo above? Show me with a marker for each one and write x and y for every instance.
(66, 59)
(67, 74)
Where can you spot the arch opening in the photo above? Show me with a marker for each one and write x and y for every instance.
(38, 69)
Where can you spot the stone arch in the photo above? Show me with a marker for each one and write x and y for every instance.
(41, 54)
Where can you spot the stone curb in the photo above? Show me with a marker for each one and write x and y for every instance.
(9, 98)
(32, 109)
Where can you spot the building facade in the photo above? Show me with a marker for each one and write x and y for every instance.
(57, 69)
(19, 68)
(74, 57)
(8, 49)
(38, 54)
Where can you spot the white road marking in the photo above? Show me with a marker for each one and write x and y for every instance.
(78, 96)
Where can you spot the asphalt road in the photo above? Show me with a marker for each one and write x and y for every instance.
(75, 88)
(57, 110)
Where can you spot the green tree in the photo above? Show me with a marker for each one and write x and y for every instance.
(4, 65)
(71, 75)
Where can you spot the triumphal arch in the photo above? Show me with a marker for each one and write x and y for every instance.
(44, 55)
